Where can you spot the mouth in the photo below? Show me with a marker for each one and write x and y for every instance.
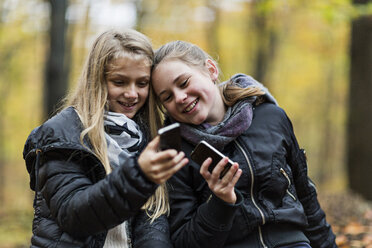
(191, 106)
(128, 105)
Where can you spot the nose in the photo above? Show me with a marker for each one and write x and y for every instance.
(180, 97)
(130, 92)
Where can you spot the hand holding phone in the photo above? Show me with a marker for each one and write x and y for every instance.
(203, 151)
(170, 137)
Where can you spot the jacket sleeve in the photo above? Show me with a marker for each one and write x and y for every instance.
(195, 224)
(147, 234)
(82, 207)
(318, 231)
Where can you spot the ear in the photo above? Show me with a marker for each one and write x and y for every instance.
(212, 69)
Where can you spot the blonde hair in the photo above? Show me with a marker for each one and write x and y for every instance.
(90, 97)
(194, 56)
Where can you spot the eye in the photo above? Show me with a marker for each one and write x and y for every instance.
(143, 83)
(166, 98)
(117, 82)
(184, 83)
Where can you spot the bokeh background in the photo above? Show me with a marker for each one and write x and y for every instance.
(301, 50)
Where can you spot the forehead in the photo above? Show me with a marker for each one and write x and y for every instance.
(171, 67)
(167, 71)
(129, 62)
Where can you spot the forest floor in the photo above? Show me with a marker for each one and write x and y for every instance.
(350, 217)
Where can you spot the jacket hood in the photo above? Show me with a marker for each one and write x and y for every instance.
(62, 131)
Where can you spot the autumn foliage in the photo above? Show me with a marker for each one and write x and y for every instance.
(350, 217)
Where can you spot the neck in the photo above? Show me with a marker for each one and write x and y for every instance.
(218, 111)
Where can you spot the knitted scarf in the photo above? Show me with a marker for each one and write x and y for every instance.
(237, 118)
(123, 136)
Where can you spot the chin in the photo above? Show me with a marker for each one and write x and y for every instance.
(130, 116)
(198, 121)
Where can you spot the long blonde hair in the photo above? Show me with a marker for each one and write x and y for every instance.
(194, 56)
(90, 97)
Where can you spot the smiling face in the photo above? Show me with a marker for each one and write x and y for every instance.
(188, 92)
(128, 85)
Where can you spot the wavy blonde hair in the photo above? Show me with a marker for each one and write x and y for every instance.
(194, 56)
(90, 98)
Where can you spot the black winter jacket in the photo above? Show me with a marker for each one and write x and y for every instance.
(75, 202)
(277, 203)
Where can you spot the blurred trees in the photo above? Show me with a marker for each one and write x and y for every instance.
(266, 35)
(299, 49)
(360, 106)
(57, 63)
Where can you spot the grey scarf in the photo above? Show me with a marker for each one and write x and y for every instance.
(123, 136)
(237, 118)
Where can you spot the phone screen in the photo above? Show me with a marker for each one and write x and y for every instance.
(203, 151)
(170, 137)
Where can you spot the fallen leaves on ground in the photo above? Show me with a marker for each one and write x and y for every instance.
(350, 217)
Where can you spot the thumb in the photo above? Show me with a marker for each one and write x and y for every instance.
(154, 143)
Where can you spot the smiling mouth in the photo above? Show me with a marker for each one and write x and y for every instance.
(191, 106)
(127, 104)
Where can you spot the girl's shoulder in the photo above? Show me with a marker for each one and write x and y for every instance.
(269, 110)
(63, 128)
(271, 115)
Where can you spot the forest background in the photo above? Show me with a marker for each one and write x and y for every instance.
(312, 55)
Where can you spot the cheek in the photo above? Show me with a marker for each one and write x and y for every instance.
(110, 94)
(210, 94)
(144, 92)
(174, 112)
(171, 108)
(112, 91)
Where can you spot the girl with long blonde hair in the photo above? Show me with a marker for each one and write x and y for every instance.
(98, 181)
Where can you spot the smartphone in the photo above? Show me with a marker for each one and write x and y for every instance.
(203, 151)
(170, 137)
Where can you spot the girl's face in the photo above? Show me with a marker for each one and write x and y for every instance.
(128, 85)
(189, 93)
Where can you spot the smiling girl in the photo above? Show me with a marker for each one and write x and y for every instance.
(266, 198)
(89, 165)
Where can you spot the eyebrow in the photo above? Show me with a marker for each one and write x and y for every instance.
(119, 75)
(174, 81)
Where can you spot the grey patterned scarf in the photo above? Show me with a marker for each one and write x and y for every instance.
(237, 118)
(123, 136)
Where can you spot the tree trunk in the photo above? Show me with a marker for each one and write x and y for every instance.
(266, 37)
(359, 151)
(56, 75)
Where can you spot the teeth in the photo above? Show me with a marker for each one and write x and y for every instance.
(191, 106)
(127, 104)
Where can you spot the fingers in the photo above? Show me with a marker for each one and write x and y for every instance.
(236, 176)
(153, 144)
(204, 169)
(167, 158)
(223, 187)
(216, 172)
(166, 174)
(219, 168)
(162, 165)
(231, 174)
(164, 161)
(162, 172)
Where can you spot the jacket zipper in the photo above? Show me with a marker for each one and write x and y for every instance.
(289, 183)
(252, 196)
(38, 153)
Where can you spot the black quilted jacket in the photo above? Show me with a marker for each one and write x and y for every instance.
(75, 202)
(277, 203)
